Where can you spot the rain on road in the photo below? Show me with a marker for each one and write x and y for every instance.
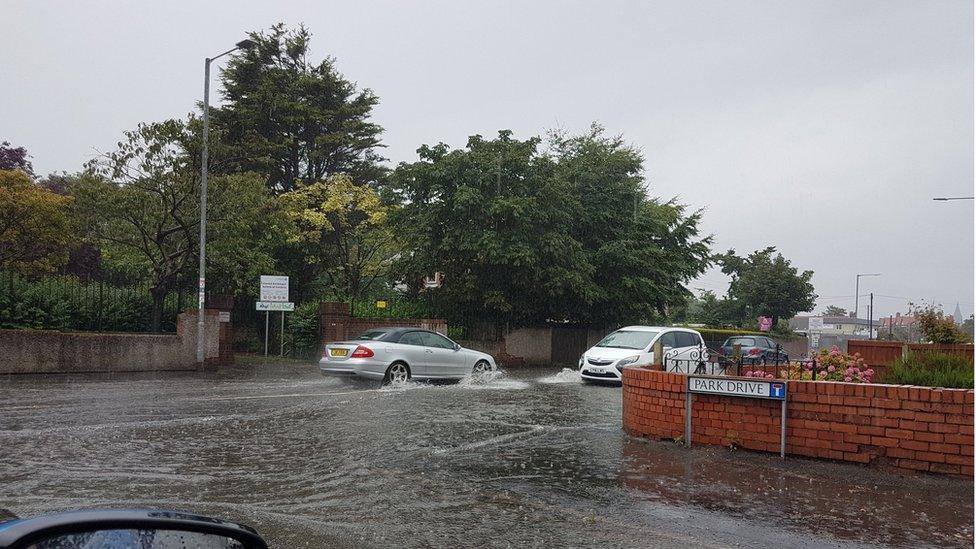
(529, 458)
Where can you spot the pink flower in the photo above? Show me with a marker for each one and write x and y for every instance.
(848, 378)
(831, 368)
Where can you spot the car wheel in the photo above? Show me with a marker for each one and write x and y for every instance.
(398, 372)
(481, 367)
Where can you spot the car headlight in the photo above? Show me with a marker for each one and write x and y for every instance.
(628, 360)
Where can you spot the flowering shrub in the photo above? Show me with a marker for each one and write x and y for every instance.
(832, 365)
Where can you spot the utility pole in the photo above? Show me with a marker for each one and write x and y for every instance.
(202, 282)
(871, 318)
(857, 289)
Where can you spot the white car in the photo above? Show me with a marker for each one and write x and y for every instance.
(634, 345)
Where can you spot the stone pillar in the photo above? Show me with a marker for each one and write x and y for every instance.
(186, 328)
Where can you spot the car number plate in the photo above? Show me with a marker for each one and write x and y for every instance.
(339, 352)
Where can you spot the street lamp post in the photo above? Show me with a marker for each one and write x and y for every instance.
(857, 288)
(201, 297)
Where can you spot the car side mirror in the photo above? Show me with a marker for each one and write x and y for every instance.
(457, 346)
(128, 528)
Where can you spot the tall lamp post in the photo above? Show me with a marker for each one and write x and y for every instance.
(857, 288)
(243, 44)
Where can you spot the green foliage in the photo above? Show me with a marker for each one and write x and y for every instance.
(65, 303)
(936, 326)
(304, 332)
(34, 233)
(931, 369)
(524, 235)
(833, 310)
(767, 285)
(339, 232)
(292, 120)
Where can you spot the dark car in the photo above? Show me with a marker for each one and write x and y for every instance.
(755, 349)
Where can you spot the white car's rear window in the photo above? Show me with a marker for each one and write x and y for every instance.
(628, 339)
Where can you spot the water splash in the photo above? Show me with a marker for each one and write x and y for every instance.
(567, 375)
(493, 379)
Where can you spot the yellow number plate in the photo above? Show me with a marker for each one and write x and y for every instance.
(339, 352)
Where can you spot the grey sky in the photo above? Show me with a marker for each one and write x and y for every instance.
(823, 128)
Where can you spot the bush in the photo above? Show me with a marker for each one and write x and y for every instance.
(932, 370)
(304, 321)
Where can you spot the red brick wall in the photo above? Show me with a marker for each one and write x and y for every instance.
(336, 324)
(916, 428)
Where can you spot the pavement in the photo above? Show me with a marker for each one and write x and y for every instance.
(524, 458)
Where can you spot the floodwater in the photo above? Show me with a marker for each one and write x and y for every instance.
(527, 458)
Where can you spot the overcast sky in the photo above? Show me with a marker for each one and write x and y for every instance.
(821, 128)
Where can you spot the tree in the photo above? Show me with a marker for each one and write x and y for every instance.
(341, 232)
(936, 326)
(15, 158)
(141, 204)
(34, 235)
(495, 220)
(295, 121)
(833, 310)
(643, 251)
(967, 327)
(526, 235)
(767, 285)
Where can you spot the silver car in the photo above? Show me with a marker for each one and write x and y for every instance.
(399, 354)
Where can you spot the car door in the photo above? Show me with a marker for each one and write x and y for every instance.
(412, 348)
(444, 360)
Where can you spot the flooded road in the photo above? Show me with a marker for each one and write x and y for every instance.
(531, 458)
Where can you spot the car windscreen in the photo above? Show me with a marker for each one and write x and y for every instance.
(628, 339)
(373, 334)
(744, 341)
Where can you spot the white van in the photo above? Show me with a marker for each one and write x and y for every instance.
(634, 345)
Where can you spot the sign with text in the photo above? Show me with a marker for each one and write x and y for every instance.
(737, 387)
(815, 324)
(274, 288)
(275, 306)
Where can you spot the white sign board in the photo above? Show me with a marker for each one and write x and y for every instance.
(223, 316)
(815, 324)
(275, 306)
(274, 288)
(737, 387)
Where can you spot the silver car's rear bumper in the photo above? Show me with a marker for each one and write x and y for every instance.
(365, 367)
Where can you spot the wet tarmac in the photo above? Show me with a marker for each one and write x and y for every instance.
(530, 458)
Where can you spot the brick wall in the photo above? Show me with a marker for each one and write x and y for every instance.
(336, 324)
(914, 428)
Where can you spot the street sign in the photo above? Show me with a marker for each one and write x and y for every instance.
(759, 388)
(765, 323)
(815, 324)
(274, 306)
(775, 390)
(274, 288)
(380, 304)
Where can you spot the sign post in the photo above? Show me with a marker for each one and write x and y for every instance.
(274, 297)
(747, 388)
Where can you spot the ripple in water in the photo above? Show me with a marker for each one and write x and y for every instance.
(567, 375)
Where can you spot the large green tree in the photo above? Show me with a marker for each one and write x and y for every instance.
(292, 119)
(340, 236)
(642, 251)
(140, 205)
(528, 234)
(767, 284)
(34, 226)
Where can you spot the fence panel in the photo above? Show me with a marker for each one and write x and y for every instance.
(65, 302)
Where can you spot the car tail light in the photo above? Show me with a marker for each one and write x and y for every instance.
(362, 352)
(754, 351)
